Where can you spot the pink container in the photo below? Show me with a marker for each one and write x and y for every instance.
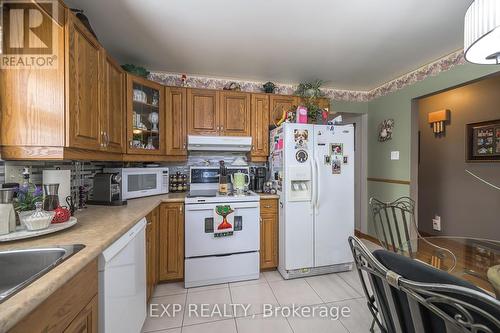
(301, 116)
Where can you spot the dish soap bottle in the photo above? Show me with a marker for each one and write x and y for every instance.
(222, 178)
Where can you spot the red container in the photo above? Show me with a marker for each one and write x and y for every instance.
(62, 214)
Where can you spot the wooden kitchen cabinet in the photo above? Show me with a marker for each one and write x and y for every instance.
(86, 321)
(145, 116)
(323, 102)
(260, 127)
(203, 112)
(171, 241)
(69, 112)
(234, 118)
(176, 117)
(278, 104)
(212, 112)
(268, 233)
(113, 106)
(152, 251)
(71, 308)
(84, 84)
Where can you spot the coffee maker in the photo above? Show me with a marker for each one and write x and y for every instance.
(107, 190)
(258, 177)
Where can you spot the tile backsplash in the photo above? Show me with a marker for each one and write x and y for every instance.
(82, 173)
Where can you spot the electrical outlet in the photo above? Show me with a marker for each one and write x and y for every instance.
(436, 223)
(14, 173)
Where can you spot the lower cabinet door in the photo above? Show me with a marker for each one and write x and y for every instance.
(155, 237)
(268, 241)
(86, 320)
(152, 260)
(171, 241)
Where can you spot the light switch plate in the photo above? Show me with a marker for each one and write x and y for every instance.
(395, 155)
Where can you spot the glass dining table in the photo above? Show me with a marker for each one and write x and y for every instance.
(466, 258)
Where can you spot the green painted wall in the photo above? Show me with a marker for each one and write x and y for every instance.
(398, 106)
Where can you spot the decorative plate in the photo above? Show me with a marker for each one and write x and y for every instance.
(22, 233)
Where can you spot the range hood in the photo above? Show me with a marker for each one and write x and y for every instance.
(219, 143)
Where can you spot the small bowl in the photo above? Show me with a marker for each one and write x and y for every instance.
(38, 223)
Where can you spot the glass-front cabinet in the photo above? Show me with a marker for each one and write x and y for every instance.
(145, 116)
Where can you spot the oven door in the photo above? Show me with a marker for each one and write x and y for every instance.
(136, 184)
(200, 239)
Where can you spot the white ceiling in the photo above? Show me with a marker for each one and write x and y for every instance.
(352, 44)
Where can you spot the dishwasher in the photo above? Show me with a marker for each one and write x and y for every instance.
(122, 283)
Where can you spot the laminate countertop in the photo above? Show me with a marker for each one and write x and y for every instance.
(97, 228)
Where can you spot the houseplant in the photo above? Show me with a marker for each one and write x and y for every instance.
(27, 196)
(310, 92)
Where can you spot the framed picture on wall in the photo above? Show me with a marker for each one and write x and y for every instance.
(483, 141)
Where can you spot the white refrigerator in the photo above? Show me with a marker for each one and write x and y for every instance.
(313, 170)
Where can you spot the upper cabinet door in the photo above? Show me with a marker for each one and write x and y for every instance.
(176, 121)
(84, 83)
(260, 125)
(235, 113)
(323, 102)
(278, 104)
(113, 112)
(202, 112)
(145, 116)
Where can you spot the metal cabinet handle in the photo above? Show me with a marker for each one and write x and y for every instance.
(184, 146)
(268, 206)
(222, 128)
(180, 208)
(130, 143)
(261, 220)
(103, 141)
(106, 136)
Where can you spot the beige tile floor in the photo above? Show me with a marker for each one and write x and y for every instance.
(331, 291)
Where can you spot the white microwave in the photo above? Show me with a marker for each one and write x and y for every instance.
(142, 182)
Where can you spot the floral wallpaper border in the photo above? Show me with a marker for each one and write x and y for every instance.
(434, 68)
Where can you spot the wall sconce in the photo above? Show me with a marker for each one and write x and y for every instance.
(437, 120)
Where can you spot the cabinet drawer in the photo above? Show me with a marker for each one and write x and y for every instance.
(268, 206)
(63, 307)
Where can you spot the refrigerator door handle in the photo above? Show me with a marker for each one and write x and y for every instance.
(313, 181)
(317, 181)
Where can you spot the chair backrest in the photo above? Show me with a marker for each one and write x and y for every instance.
(394, 222)
(435, 302)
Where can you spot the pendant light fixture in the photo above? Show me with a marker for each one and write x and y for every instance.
(482, 32)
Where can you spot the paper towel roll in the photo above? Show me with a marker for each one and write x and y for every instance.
(61, 177)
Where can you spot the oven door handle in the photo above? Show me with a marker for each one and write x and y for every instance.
(192, 209)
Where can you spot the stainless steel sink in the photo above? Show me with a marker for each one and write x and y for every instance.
(19, 268)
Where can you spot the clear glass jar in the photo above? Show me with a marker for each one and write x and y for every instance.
(37, 219)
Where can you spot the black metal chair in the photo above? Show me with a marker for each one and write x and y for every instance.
(396, 228)
(407, 296)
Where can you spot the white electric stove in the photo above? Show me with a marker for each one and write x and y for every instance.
(222, 232)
